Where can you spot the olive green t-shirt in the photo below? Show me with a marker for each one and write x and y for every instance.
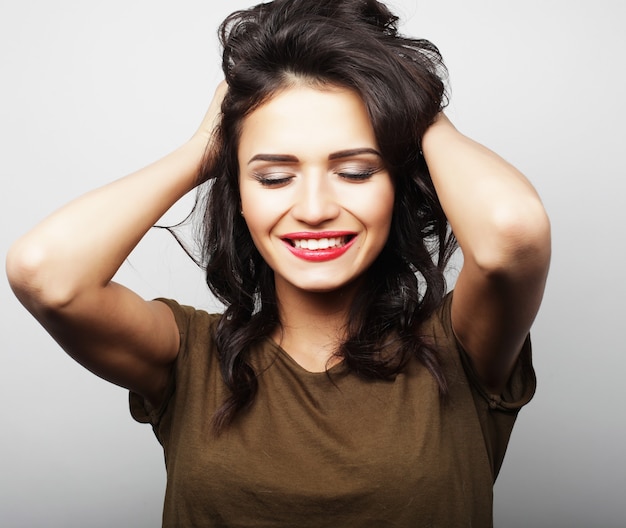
(331, 449)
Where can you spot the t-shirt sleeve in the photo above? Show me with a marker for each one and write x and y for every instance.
(140, 409)
(496, 412)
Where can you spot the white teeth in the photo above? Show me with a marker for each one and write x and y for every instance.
(319, 243)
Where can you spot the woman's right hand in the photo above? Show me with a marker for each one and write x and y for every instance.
(211, 118)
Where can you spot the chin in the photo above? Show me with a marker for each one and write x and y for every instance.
(328, 286)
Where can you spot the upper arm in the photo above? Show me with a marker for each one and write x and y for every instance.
(496, 299)
(503, 230)
(118, 336)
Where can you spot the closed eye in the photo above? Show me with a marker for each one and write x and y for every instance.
(357, 174)
(272, 180)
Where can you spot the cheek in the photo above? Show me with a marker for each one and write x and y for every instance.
(382, 214)
(255, 220)
(386, 206)
(258, 229)
(261, 215)
(251, 212)
(251, 205)
(377, 208)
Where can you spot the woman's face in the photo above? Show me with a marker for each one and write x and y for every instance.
(315, 193)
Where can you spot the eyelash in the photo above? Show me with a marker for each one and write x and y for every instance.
(273, 181)
(361, 175)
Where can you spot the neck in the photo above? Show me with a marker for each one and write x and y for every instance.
(312, 324)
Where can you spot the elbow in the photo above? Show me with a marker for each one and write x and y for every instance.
(32, 279)
(518, 243)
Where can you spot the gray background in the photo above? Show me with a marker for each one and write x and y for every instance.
(93, 90)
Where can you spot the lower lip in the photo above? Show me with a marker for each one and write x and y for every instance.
(319, 255)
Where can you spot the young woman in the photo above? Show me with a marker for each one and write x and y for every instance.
(342, 386)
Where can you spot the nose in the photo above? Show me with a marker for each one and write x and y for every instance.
(316, 201)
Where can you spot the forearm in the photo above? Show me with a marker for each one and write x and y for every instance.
(494, 211)
(82, 245)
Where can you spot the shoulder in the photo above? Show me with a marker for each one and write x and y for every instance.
(436, 329)
(496, 413)
(196, 360)
(458, 365)
(195, 326)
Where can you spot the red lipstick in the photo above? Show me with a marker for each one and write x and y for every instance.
(293, 243)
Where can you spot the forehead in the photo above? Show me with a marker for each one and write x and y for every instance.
(307, 121)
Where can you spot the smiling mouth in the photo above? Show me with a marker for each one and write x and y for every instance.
(314, 244)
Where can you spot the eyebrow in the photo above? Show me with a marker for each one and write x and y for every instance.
(353, 152)
(278, 158)
(288, 158)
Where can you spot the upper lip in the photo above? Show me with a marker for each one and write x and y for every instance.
(316, 235)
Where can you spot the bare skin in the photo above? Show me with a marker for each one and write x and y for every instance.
(62, 269)
(325, 177)
(312, 326)
(504, 233)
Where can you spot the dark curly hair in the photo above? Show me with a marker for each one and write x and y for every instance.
(352, 44)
